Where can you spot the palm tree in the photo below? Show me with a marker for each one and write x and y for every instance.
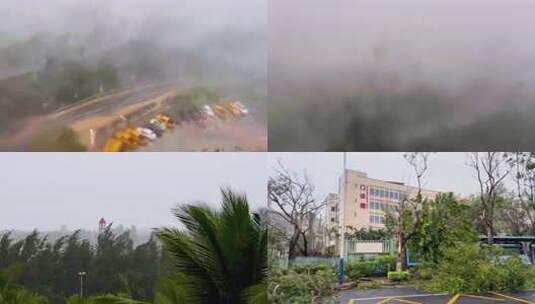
(13, 294)
(220, 256)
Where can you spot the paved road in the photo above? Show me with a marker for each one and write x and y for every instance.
(108, 104)
(415, 296)
(18, 140)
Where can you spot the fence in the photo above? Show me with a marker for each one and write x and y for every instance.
(355, 250)
(372, 247)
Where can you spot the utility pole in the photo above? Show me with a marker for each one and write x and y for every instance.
(341, 203)
(82, 274)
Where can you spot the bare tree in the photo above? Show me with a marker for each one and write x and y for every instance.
(405, 221)
(490, 171)
(292, 197)
(523, 166)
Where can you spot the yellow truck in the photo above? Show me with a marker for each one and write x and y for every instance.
(124, 140)
(220, 111)
(232, 108)
(114, 145)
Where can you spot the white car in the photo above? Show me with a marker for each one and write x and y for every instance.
(242, 107)
(148, 133)
(208, 111)
(158, 123)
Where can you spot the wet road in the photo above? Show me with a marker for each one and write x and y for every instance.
(415, 296)
(19, 140)
(108, 104)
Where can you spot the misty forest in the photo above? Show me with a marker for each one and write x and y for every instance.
(412, 75)
(216, 256)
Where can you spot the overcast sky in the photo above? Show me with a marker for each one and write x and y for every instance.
(47, 190)
(30, 16)
(447, 171)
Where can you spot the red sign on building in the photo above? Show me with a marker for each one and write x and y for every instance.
(363, 196)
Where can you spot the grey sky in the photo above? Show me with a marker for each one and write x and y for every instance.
(441, 75)
(56, 15)
(447, 171)
(46, 190)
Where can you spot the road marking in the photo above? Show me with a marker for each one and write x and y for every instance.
(406, 301)
(513, 298)
(352, 301)
(453, 300)
(482, 297)
(404, 296)
(384, 301)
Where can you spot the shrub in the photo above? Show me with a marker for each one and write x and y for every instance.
(354, 271)
(469, 268)
(59, 139)
(424, 272)
(378, 266)
(312, 268)
(530, 281)
(306, 287)
(398, 276)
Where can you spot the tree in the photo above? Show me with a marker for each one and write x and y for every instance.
(511, 217)
(404, 223)
(490, 171)
(220, 256)
(366, 234)
(112, 266)
(443, 226)
(523, 166)
(293, 199)
(13, 294)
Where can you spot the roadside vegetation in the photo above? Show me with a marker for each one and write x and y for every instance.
(58, 138)
(219, 256)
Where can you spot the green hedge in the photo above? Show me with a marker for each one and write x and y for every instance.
(376, 267)
(398, 276)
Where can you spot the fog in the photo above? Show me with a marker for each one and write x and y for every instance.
(100, 25)
(401, 75)
(191, 42)
(49, 190)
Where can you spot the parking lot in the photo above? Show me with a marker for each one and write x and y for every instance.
(415, 296)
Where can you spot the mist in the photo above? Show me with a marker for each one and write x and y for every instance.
(401, 75)
(194, 43)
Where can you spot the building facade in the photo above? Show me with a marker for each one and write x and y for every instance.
(367, 201)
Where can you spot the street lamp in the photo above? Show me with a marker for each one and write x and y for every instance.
(341, 202)
(82, 274)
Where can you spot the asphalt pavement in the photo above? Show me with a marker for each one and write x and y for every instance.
(415, 296)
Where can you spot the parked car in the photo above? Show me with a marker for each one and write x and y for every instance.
(242, 107)
(208, 112)
(154, 128)
(147, 133)
(158, 123)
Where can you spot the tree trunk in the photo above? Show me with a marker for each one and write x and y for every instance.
(401, 262)
(305, 244)
(490, 234)
(292, 245)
